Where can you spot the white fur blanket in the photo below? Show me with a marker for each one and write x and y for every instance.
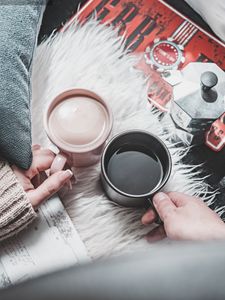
(92, 56)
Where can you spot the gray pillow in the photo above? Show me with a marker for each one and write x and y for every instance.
(19, 27)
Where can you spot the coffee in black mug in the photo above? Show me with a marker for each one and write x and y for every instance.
(135, 165)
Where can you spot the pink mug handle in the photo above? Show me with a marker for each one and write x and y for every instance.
(58, 164)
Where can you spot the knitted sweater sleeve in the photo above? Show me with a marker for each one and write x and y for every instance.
(16, 212)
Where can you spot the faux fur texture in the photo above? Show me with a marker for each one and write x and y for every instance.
(92, 56)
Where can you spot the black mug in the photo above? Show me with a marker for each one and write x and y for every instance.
(135, 165)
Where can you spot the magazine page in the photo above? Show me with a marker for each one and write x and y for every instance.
(173, 54)
(49, 244)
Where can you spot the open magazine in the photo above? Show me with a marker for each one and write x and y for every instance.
(49, 244)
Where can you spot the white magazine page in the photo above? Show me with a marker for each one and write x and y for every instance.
(50, 243)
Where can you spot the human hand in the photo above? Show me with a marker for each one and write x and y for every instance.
(39, 192)
(184, 218)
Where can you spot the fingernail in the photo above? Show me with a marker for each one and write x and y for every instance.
(159, 197)
(66, 174)
(148, 217)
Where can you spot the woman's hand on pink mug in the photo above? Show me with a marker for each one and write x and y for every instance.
(184, 218)
(35, 182)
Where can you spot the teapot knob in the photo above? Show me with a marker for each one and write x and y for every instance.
(208, 80)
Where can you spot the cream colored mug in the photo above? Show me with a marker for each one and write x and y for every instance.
(78, 122)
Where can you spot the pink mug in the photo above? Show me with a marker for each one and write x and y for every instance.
(78, 122)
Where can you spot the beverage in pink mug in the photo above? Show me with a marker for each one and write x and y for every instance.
(78, 122)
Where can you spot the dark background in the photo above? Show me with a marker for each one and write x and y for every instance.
(58, 12)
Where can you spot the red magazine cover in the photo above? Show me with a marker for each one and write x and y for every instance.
(165, 40)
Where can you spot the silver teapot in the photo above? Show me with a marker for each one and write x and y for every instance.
(199, 99)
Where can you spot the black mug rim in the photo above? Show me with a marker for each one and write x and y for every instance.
(158, 187)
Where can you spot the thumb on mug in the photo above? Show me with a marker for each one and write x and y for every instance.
(163, 205)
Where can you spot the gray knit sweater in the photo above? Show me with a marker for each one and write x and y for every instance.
(16, 211)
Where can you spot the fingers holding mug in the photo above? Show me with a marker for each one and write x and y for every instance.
(58, 164)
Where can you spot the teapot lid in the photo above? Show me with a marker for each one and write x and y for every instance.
(208, 80)
(205, 99)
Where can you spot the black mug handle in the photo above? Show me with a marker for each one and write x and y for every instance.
(158, 220)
